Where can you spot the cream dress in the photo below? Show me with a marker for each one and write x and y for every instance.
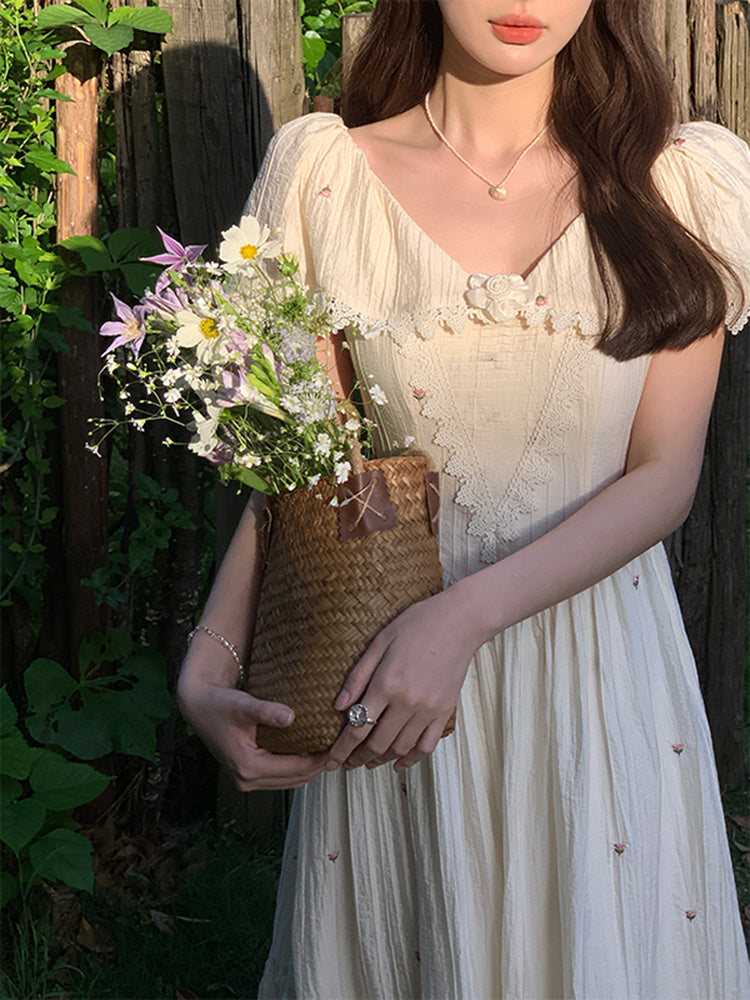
(568, 840)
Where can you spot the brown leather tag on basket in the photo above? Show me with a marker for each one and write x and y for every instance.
(364, 506)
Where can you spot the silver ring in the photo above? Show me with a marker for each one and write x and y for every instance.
(359, 716)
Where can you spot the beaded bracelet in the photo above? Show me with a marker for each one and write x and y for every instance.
(229, 646)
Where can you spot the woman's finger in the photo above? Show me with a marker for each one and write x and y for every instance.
(424, 747)
(359, 676)
(388, 730)
(352, 736)
(277, 770)
(253, 711)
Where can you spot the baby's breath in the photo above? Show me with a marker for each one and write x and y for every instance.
(230, 355)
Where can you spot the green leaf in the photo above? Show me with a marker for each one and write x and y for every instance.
(313, 49)
(131, 731)
(9, 887)
(94, 261)
(22, 821)
(10, 790)
(147, 671)
(16, 756)
(73, 316)
(8, 713)
(52, 402)
(62, 784)
(66, 856)
(59, 14)
(96, 8)
(134, 242)
(48, 685)
(110, 40)
(80, 242)
(246, 476)
(83, 731)
(144, 19)
(10, 299)
(45, 159)
(114, 644)
(138, 277)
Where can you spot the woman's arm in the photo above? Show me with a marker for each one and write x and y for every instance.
(411, 675)
(223, 717)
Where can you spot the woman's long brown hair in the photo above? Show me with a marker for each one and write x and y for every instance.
(612, 113)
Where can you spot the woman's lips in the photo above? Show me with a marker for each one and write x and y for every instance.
(517, 30)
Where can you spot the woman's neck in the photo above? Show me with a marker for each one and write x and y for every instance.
(492, 119)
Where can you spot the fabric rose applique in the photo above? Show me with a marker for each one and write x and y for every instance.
(499, 296)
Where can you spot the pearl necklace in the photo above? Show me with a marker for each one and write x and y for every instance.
(496, 191)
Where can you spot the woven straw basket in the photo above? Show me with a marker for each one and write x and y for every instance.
(331, 583)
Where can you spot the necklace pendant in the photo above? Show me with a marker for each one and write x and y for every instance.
(498, 192)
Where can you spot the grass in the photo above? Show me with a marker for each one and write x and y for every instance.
(179, 917)
(208, 938)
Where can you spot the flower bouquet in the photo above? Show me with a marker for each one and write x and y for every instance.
(234, 353)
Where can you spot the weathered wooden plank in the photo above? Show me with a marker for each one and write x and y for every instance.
(703, 23)
(353, 28)
(660, 24)
(84, 476)
(142, 183)
(232, 75)
(677, 54)
(733, 23)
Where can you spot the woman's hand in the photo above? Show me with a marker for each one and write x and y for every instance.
(226, 719)
(409, 679)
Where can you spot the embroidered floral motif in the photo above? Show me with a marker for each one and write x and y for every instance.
(678, 748)
(619, 848)
(333, 855)
(540, 301)
(691, 914)
(636, 581)
(419, 393)
(325, 192)
(500, 296)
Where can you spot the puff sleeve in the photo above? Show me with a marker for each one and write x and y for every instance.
(281, 193)
(705, 177)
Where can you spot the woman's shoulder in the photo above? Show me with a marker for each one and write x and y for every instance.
(306, 139)
(706, 160)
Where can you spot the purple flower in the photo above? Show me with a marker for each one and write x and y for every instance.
(177, 256)
(166, 300)
(129, 330)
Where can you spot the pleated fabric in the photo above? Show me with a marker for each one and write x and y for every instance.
(568, 840)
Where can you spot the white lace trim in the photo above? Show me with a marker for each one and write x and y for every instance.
(454, 318)
(738, 324)
(496, 521)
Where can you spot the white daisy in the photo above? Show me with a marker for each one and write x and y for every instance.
(245, 243)
(200, 332)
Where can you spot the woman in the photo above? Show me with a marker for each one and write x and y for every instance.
(499, 224)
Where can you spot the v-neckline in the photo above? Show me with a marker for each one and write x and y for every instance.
(411, 221)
